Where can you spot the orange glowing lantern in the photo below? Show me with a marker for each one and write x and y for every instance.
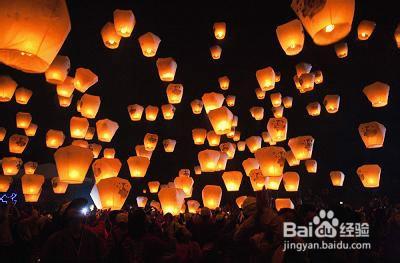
(219, 30)
(236, 136)
(105, 168)
(110, 36)
(54, 138)
(260, 94)
(302, 147)
(31, 130)
(197, 170)
(32, 198)
(249, 165)
(171, 200)
(287, 102)
(149, 43)
(168, 111)
(96, 149)
(153, 186)
(370, 175)
(365, 29)
(5, 182)
(58, 187)
(199, 136)
(232, 180)
(138, 166)
(331, 103)
(257, 180)
(314, 108)
(221, 120)
(277, 128)
(141, 151)
(174, 93)
(311, 166)
(213, 138)
(141, 201)
(22, 95)
(17, 143)
(166, 68)
(169, 145)
(32, 183)
(89, 105)
(7, 88)
(273, 183)
(318, 77)
(271, 160)
(306, 81)
(111, 193)
(11, 165)
(397, 35)
(377, 93)
(211, 195)
(239, 200)
(372, 134)
(66, 88)
(208, 160)
(257, 113)
(216, 52)
(223, 159)
(193, 206)
(58, 70)
(224, 82)
(197, 106)
(185, 183)
(266, 78)
(303, 68)
(84, 79)
(230, 100)
(337, 178)
(341, 50)
(277, 111)
(276, 99)
(30, 167)
(64, 101)
(254, 143)
(291, 37)
(78, 127)
(281, 203)
(151, 112)
(106, 130)
(150, 141)
(124, 22)
(212, 101)
(291, 159)
(23, 119)
(135, 112)
(241, 146)
(109, 153)
(228, 148)
(291, 181)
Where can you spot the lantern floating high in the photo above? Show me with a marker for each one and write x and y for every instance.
(124, 22)
(32, 183)
(64, 101)
(228, 148)
(213, 138)
(150, 141)
(372, 134)
(171, 200)
(365, 29)
(331, 103)
(337, 178)
(166, 68)
(249, 165)
(257, 113)
(302, 147)
(105, 168)
(277, 111)
(266, 137)
(273, 182)
(208, 160)
(291, 181)
(276, 99)
(80, 143)
(241, 146)
(212, 101)
(341, 49)
(211, 195)
(253, 143)
(111, 193)
(141, 201)
(219, 30)
(185, 183)
(174, 93)
(7, 88)
(306, 82)
(78, 127)
(141, 151)
(291, 37)
(311, 166)
(153, 186)
(291, 159)
(30, 167)
(58, 70)
(23, 119)
(17, 143)
(151, 112)
(369, 175)
(287, 102)
(223, 159)
(138, 166)
(221, 120)
(224, 82)
(318, 77)
(199, 136)
(58, 187)
(5, 182)
(169, 145)
(149, 43)
(106, 130)
(31, 130)
(377, 93)
(271, 160)
(197, 170)
(232, 180)
(281, 203)
(266, 78)
(66, 88)
(54, 138)
(260, 94)
(277, 128)
(197, 106)
(135, 112)
(168, 111)
(216, 52)
(96, 149)
(109, 153)
(314, 108)
(11, 165)
(23, 95)
(230, 100)
(303, 68)
(110, 36)
(84, 79)
(257, 180)
(89, 105)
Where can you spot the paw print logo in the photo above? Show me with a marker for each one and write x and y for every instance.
(326, 224)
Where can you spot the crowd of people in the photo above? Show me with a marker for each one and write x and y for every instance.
(253, 233)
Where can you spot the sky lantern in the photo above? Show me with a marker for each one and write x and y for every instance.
(135, 112)
(230, 100)
(150, 141)
(337, 178)
(221, 120)
(112, 192)
(208, 160)
(78, 127)
(303, 68)
(277, 128)
(331, 103)
(197, 170)
(169, 145)
(106, 168)
(277, 76)
(31, 40)
(54, 138)
(64, 101)
(81, 143)
(219, 30)
(306, 81)
(73, 163)
(90, 133)
(31, 130)
(231, 133)
(7, 88)
(236, 136)
(193, 206)
(235, 121)
(185, 183)
(84, 79)
(23, 95)
(141, 201)
(5, 182)
(311, 166)
(171, 200)
(397, 35)
(168, 111)
(166, 68)
(110, 36)
(124, 22)
(291, 37)
(199, 136)
(253, 143)
(318, 77)
(291, 181)
(58, 70)
(138, 165)
(32, 183)
(277, 111)
(213, 138)
(341, 49)
(89, 105)
(273, 182)
(260, 94)
(151, 112)
(197, 106)
(257, 113)
(291, 159)
(66, 88)
(369, 175)
(109, 153)
(266, 137)
(257, 180)
(377, 93)
(153, 186)
(223, 159)
(326, 22)
(302, 147)
(212, 101)
(58, 187)
(365, 29)
(232, 180)
(17, 143)
(149, 43)
(249, 165)
(30, 167)
(32, 198)
(211, 195)
(23, 119)
(241, 146)
(266, 78)
(174, 93)
(239, 200)
(271, 160)
(96, 149)
(276, 99)
(11, 165)
(281, 203)
(106, 129)
(224, 82)
(228, 148)
(313, 108)
(372, 134)
(287, 102)
(141, 151)
(216, 51)
(296, 81)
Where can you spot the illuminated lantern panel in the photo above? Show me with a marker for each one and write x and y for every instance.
(96, 149)
(271, 160)
(138, 166)
(78, 127)
(239, 200)
(370, 175)
(124, 22)
(106, 168)
(174, 93)
(372, 134)
(303, 68)
(306, 82)
(326, 22)
(228, 148)
(281, 203)
(216, 52)
(111, 193)
(197, 170)
(276, 99)
(32, 198)
(314, 109)
(17, 143)
(23, 119)
(224, 82)
(109, 153)
(273, 183)
(33, 34)
(106, 130)
(185, 183)
(291, 181)
(257, 180)
(291, 159)
(84, 79)
(168, 111)
(277, 128)
(241, 146)
(230, 100)
(66, 88)
(221, 120)
(341, 49)
(318, 77)
(337, 178)
(249, 165)
(153, 186)
(169, 145)
(257, 113)
(213, 138)
(311, 166)
(291, 37)
(365, 29)
(166, 68)
(32, 183)
(232, 180)
(197, 106)
(223, 159)
(236, 136)
(72, 163)
(171, 200)
(64, 101)
(149, 43)
(110, 36)
(266, 78)
(212, 101)
(5, 182)
(287, 102)
(302, 147)
(141, 151)
(89, 105)
(141, 201)
(277, 76)
(30, 167)
(135, 112)
(54, 138)
(151, 113)
(7, 88)
(208, 160)
(331, 103)
(58, 70)
(58, 187)
(260, 94)
(31, 130)
(150, 141)
(11, 165)
(377, 93)
(199, 136)
(211, 196)
(219, 30)
(277, 111)
(254, 143)
(23, 95)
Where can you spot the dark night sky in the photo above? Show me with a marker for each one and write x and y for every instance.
(127, 77)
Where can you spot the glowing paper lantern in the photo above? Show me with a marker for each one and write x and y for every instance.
(135, 112)
(150, 141)
(169, 145)
(211, 196)
(311, 165)
(216, 52)
(337, 178)
(208, 160)
(271, 160)
(105, 168)
(377, 93)
(239, 200)
(193, 206)
(22, 95)
(224, 82)
(106, 129)
(78, 127)
(281, 203)
(277, 128)
(318, 77)
(124, 22)
(112, 192)
(223, 159)
(197, 170)
(151, 112)
(199, 136)
(314, 109)
(231, 133)
(236, 136)
(32, 183)
(257, 180)
(138, 166)
(149, 43)
(303, 68)
(254, 143)
(110, 36)
(66, 88)
(7, 88)
(80, 143)
(273, 183)
(174, 93)
(232, 180)
(365, 29)
(291, 37)
(306, 82)
(96, 149)
(331, 103)
(249, 165)
(302, 147)
(17, 143)
(153, 186)
(58, 187)
(241, 146)
(11, 165)
(372, 134)
(23, 119)
(291, 159)
(266, 78)
(58, 70)
(166, 68)
(327, 22)
(219, 30)
(141, 201)
(230, 100)
(235, 121)
(291, 181)
(30, 167)
(32, 198)
(64, 101)
(168, 111)
(89, 105)
(287, 102)
(257, 113)
(31, 130)
(212, 101)
(213, 138)
(54, 138)
(84, 79)
(197, 106)
(109, 153)
(5, 182)
(141, 151)
(171, 200)
(276, 99)
(369, 175)
(277, 111)
(185, 183)
(266, 137)
(260, 94)
(228, 148)
(341, 49)
(221, 120)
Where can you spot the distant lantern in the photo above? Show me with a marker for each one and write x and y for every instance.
(397, 35)
(232, 180)
(236, 136)
(337, 178)
(221, 120)
(66, 88)
(197, 170)
(281, 203)
(230, 100)
(249, 165)
(111, 193)
(212, 101)
(90, 133)
(199, 136)
(64, 101)
(277, 128)
(109, 153)
(257, 180)
(341, 49)
(96, 149)
(150, 141)
(105, 168)
(291, 159)
(11, 165)
(241, 146)
(224, 82)
(307, 81)
(303, 68)
(213, 138)
(277, 76)
(30, 167)
(138, 166)
(149, 43)
(318, 77)
(168, 111)
(271, 160)
(311, 166)
(291, 37)
(58, 187)
(84, 79)
(73, 163)
(276, 99)
(327, 22)
(32, 33)
(369, 175)
(193, 206)
(32, 183)
(331, 103)
(54, 138)
(185, 183)
(277, 111)
(273, 182)
(31, 130)
(106, 130)
(124, 22)
(228, 148)
(110, 36)
(235, 121)
(135, 112)
(296, 81)
(208, 160)
(89, 105)
(302, 147)
(78, 127)
(266, 78)
(239, 200)
(7, 87)
(216, 52)
(141, 201)
(266, 137)
(169, 145)
(141, 151)
(257, 113)
(291, 181)
(253, 143)
(58, 70)
(219, 30)
(365, 29)
(23, 119)
(17, 143)
(153, 186)
(211, 195)
(287, 102)
(197, 106)
(151, 112)
(23, 95)
(377, 93)
(372, 134)
(260, 94)
(5, 182)
(166, 68)
(171, 200)
(223, 159)
(231, 133)
(313, 108)
(174, 93)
